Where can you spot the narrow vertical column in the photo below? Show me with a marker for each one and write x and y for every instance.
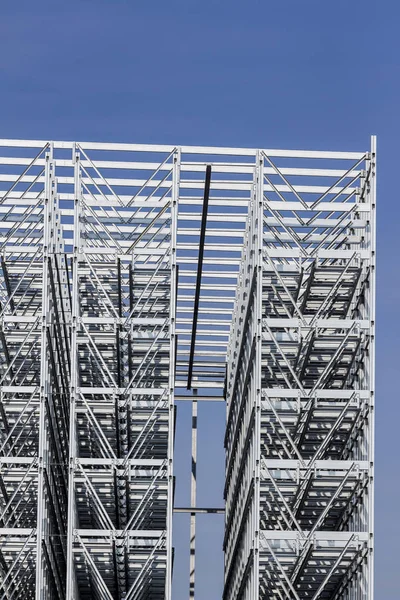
(70, 595)
(258, 231)
(172, 366)
(44, 370)
(371, 441)
(193, 494)
(242, 439)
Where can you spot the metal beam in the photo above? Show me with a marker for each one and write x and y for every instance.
(199, 274)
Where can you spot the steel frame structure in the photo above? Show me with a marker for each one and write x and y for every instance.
(136, 277)
(300, 389)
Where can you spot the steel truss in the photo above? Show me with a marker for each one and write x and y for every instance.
(120, 265)
(300, 391)
(88, 297)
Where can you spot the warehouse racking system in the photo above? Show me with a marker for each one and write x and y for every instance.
(300, 383)
(134, 278)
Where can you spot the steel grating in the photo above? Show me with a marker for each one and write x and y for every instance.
(102, 326)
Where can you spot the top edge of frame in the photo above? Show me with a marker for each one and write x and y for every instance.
(112, 146)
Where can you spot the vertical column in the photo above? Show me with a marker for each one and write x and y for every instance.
(242, 440)
(173, 345)
(193, 494)
(44, 370)
(371, 444)
(71, 584)
(258, 258)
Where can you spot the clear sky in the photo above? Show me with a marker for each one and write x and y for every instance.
(304, 74)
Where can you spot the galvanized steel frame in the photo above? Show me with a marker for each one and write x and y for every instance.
(300, 390)
(96, 332)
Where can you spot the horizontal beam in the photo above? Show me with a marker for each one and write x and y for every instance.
(193, 510)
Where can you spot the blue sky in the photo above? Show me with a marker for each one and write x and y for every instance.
(309, 74)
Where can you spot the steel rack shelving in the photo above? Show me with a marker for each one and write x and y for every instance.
(300, 391)
(135, 277)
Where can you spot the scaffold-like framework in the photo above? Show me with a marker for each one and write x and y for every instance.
(137, 277)
(88, 352)
(300, 390)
